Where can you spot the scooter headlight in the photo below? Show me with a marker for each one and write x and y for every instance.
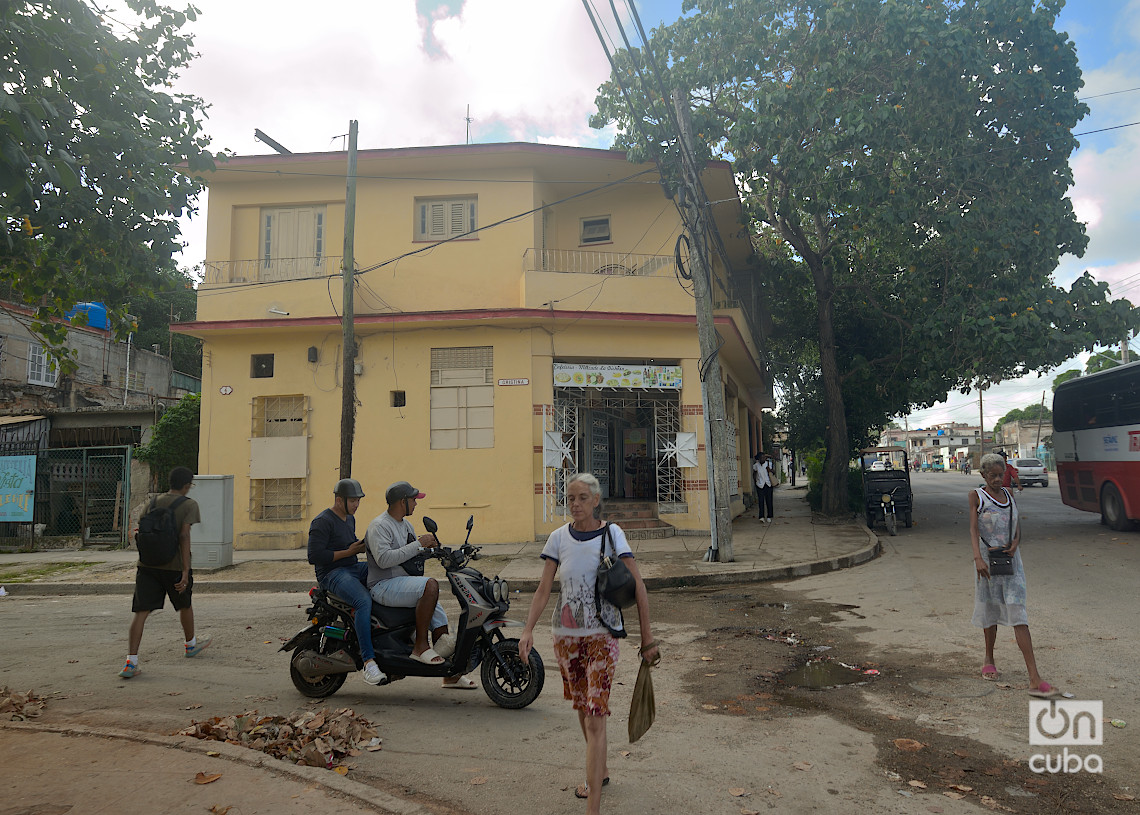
(887, 498)
(496, 590)
(505, 590)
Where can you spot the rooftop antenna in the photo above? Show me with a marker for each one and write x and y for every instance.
(467, 118)
(276, 145)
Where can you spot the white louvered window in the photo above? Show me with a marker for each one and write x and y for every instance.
(462, 398)
(442, 218)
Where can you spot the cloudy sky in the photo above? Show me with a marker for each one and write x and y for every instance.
(529, 69)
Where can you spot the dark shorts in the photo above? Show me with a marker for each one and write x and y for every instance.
(153, 586)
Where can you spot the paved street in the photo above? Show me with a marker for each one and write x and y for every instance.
(726, 723)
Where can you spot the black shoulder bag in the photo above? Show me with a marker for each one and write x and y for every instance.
(615, 584)
(1001, 560)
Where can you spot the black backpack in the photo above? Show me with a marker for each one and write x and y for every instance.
(158, 533)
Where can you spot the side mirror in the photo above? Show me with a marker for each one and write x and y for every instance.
(430, 525)
(470, 522)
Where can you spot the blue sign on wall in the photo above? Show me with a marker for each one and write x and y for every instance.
(17, 488)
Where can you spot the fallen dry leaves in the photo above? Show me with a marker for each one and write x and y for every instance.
(202, 778)
(19, 706)
(910, 745)
(737, 792)
(218, 809)
(318, 739)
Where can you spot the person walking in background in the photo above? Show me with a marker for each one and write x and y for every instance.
(153, 584)
(586, 628)
(764, 477)
(1009, 476)
(1000, 599)
(333, 547)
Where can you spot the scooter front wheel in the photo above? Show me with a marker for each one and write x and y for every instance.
(507, 680)
(319, 688)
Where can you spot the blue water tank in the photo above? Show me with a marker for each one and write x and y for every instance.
(96, 314)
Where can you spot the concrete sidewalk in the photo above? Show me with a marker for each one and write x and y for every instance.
(793, 545)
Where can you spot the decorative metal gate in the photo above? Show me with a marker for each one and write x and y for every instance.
(668, 438)
(559, 457)
(734, 470)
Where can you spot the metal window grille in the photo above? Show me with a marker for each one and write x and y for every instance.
(276, 499)
(277, 416)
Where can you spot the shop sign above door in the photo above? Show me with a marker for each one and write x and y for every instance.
(640, 377)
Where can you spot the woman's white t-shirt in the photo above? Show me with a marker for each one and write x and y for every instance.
(576, 613)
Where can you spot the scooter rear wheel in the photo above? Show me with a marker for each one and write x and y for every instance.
(529, 676)
(320, 688)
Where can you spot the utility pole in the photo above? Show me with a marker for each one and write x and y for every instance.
(1040, 419)
(981, 427)
(1124, 350)
(717, 455)
(348, 375)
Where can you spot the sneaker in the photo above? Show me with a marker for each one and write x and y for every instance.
(372, 674)
(130, 670)
(201, 645)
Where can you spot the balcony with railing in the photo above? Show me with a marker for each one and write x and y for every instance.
(599, 263)
(271, 270)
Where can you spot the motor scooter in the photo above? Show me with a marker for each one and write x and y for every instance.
(327, 650)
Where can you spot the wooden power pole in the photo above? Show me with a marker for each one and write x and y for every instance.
(718, 457)
(348, 374)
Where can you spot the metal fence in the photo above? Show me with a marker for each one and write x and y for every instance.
(81, 492)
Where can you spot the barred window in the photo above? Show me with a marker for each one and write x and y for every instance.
(462, 398)
(275, 416)
(276, 499)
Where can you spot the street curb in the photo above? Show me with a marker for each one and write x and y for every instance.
(726, 573)
(364, 795)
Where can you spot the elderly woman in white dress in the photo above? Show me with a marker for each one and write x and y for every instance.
(1000, 599)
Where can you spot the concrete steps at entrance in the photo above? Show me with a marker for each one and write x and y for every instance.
(638, 519)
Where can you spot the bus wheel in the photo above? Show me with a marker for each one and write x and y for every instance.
(1112, 509)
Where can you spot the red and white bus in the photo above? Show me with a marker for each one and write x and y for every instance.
(1096, 436)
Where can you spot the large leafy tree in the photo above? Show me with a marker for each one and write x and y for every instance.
(91, 139)
(913, 158)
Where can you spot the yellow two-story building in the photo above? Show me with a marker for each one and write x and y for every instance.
(519, 315)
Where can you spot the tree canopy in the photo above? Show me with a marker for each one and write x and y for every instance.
(911, 160)
(1103, 360)
(1030, 413)
(91, 140)
(1065, 376)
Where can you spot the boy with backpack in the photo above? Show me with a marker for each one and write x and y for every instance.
(163, 542)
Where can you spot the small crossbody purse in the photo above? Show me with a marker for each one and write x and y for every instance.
(1000, 558)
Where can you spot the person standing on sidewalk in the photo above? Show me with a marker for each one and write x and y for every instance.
(174, 579)
(763, 476)
(333, 547)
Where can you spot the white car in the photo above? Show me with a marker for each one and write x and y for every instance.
(1031, 471)
(879, 466)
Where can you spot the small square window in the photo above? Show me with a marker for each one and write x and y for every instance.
(261, 366)
(596, 230)
(399, 399)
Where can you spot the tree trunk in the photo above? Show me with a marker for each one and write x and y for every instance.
(838, 447)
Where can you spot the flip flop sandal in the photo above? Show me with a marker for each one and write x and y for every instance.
(464, 683)
(990, 673)
(583, 790)
(428, 657)
(1044, 691)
